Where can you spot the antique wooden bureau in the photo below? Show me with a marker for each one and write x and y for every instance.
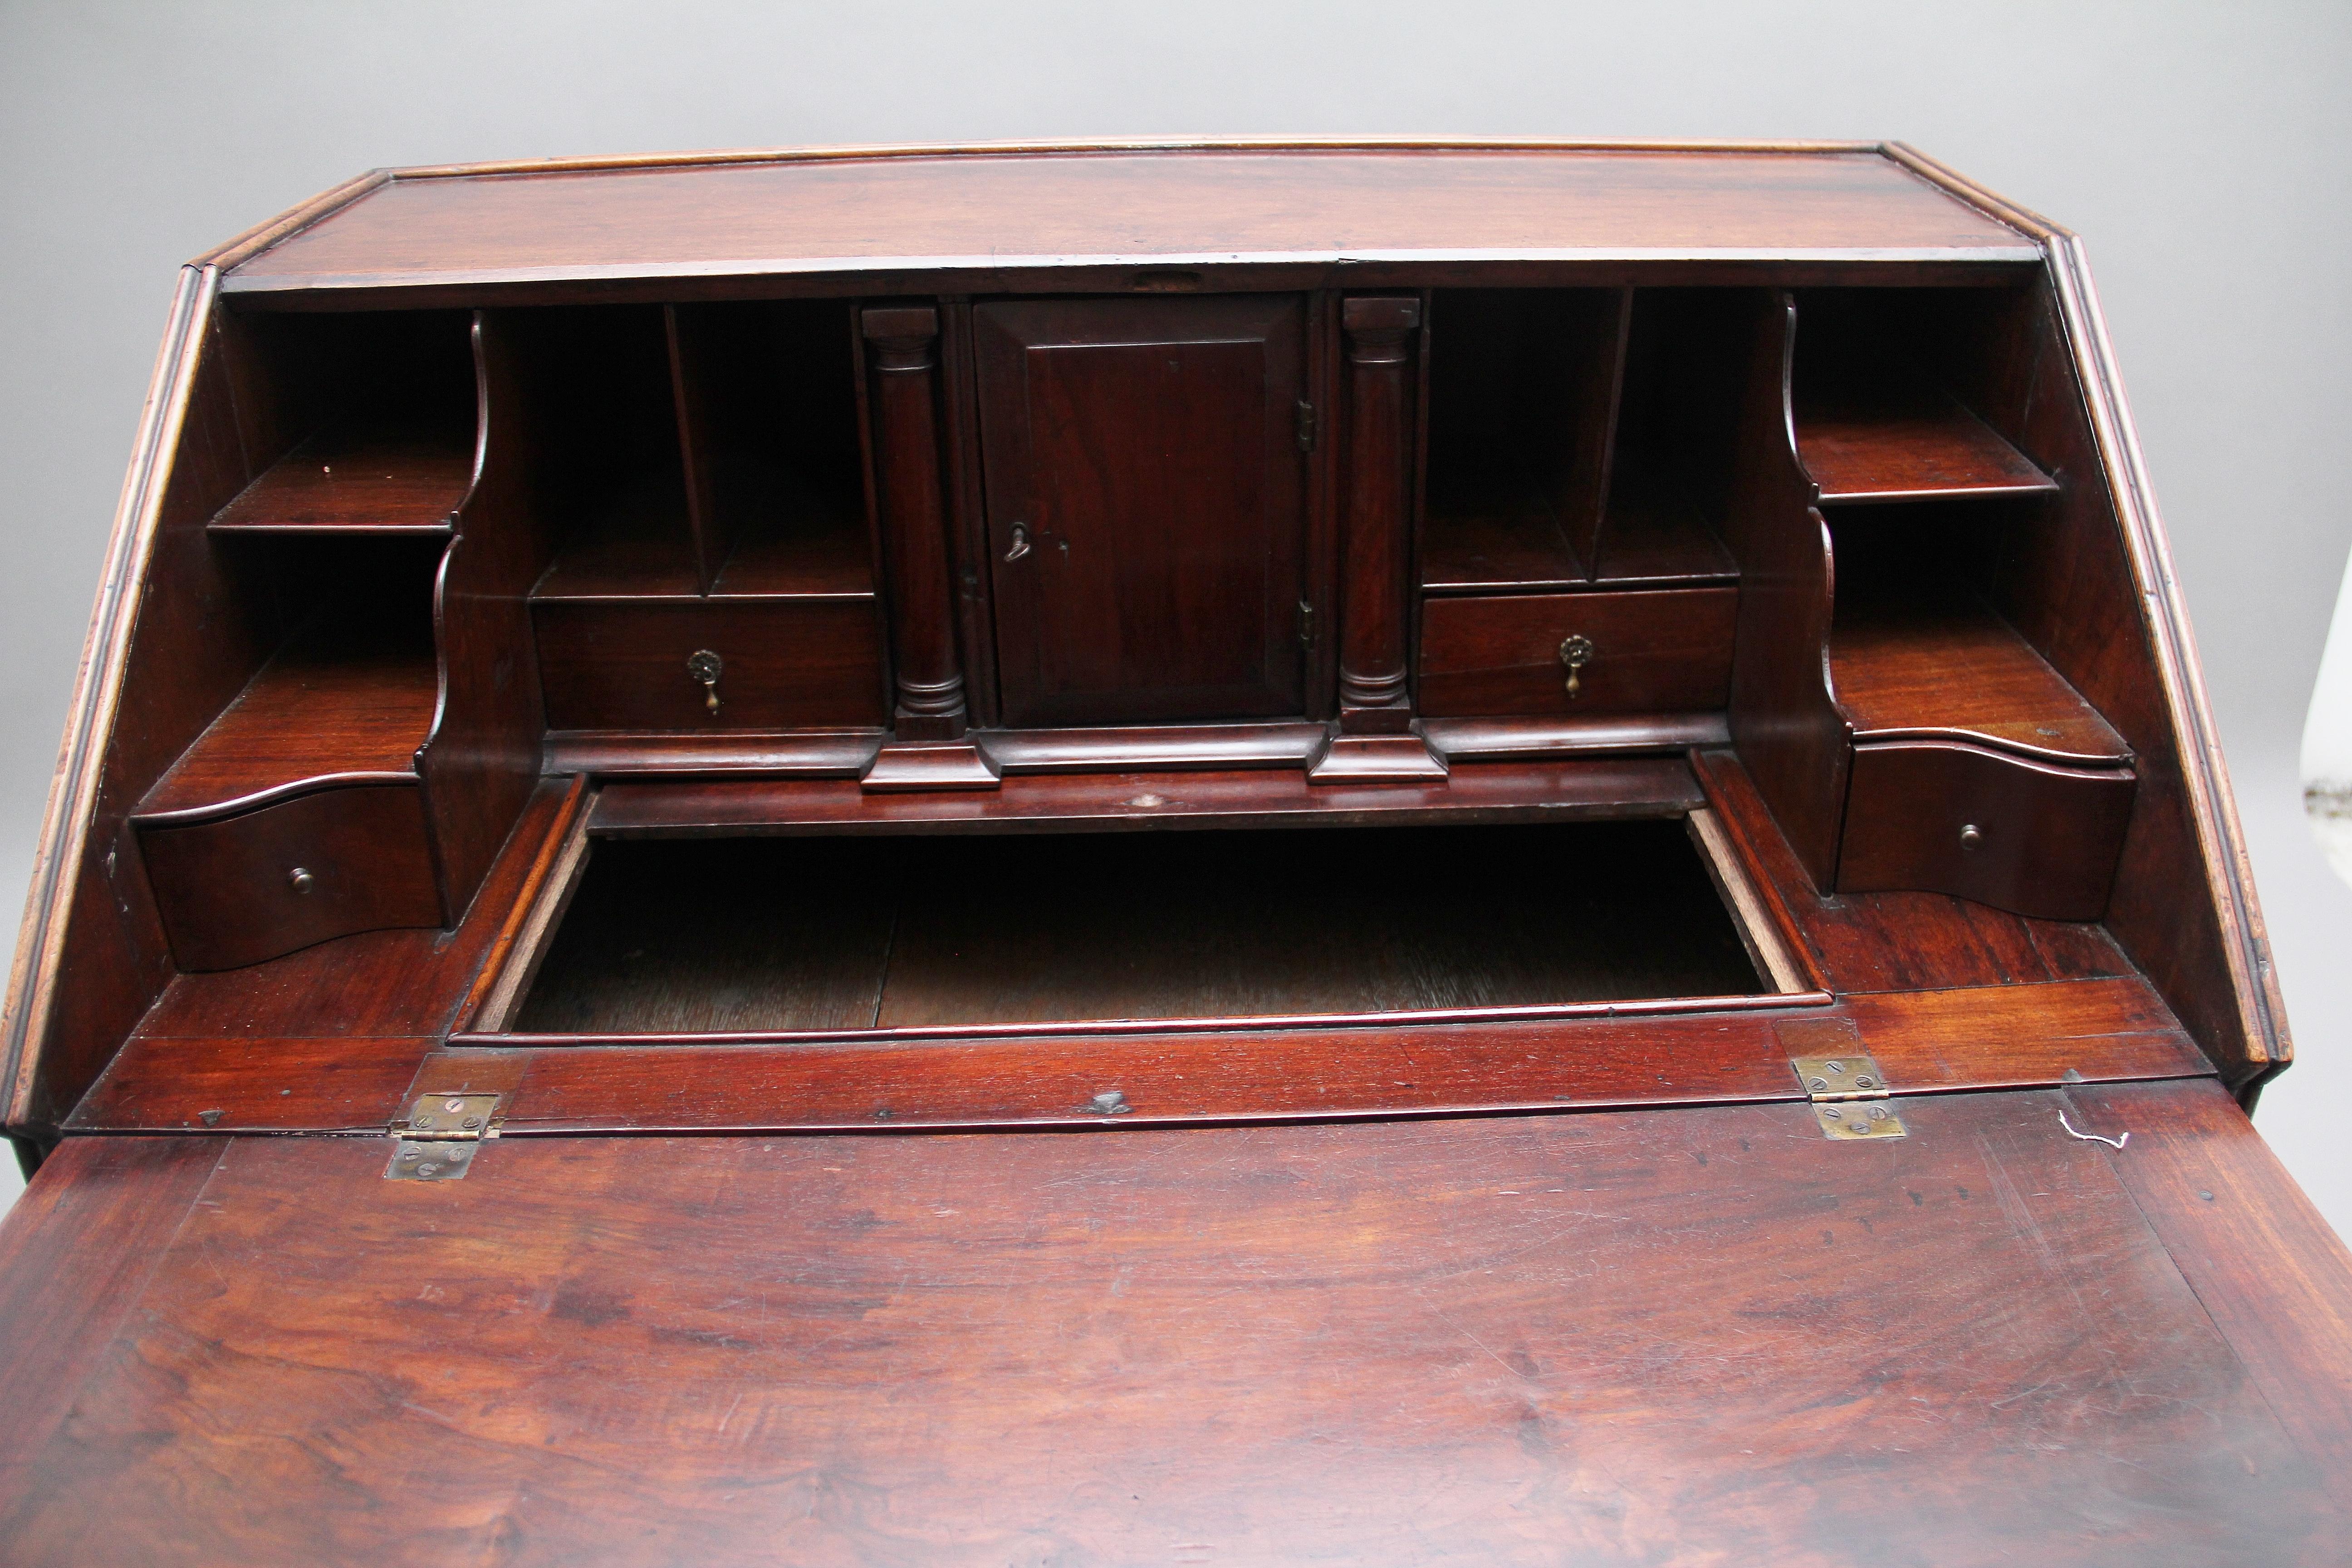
(1152, 853)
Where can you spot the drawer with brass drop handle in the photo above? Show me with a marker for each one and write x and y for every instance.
(700, 664)
(1576, 652)
(1641, 651)
(704, 667)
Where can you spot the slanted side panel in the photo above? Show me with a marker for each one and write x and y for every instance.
(2068, 586)
(158, 667)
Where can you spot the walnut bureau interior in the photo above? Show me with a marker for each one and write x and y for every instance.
(1020, 828)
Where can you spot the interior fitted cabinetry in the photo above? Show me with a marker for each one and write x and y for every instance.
(943, 822)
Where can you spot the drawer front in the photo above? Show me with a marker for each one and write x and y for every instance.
(784, 664)
(1663, 651)
(1928, 816)
(266, 883)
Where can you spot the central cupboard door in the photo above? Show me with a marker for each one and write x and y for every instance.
(1146, 490)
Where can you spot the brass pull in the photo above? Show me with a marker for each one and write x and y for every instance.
(1576, 652)
(704, 667)
(1020, 542)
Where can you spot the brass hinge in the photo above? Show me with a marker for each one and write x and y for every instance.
(1305, 624)
(438, 1137)
(1847, 1093)
(1306, 426)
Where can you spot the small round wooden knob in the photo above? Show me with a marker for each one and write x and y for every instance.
(1971, 835)
(300, 880)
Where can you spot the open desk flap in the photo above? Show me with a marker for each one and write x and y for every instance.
(1689, 1335)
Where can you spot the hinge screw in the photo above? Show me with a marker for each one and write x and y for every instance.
(453, 1105)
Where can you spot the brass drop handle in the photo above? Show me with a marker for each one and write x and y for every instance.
(1020, 542)
(704, 667)
(1576, 652)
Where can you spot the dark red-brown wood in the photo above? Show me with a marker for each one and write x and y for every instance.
(2002, 830)
(787, 663)
(1003, 215)
(1661, 652)
(237, 889)
(1145, 802)
(1791, 738)
(356, 484)
(1867, 401)
(903, 365)
(1146, 507)
(1727, 1306)
(1375, 512)
(1670, 1053)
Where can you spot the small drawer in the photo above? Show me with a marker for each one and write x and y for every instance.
(1656, 651)
(2026, 837)
(782, 664)
(264, 882)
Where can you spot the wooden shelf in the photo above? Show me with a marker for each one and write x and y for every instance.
(324, 708)
(1923, 447)
(1507, 540)
(1654, 537)
(350, 483)
(1956, 668)
(828, 558)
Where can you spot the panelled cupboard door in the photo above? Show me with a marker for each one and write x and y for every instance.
(1145, 496)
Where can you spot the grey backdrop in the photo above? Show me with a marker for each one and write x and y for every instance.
(2198, 149)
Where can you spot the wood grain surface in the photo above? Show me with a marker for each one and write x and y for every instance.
(1926, 450)
(1587, 1055)
(322, 710)
(2001, 830)
(696, 936)
(1897, 940)
(1955, 670)
(1146, 495)
(384, 983)
(237, 889)
(1698, 1336)
(1659, 651)
(357, 482)
(1147, 801)
(992, 210)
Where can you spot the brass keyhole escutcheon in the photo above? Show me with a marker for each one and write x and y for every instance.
(705, 667)
(1576, 652)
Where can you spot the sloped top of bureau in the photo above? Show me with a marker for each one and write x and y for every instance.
(1394, 677)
